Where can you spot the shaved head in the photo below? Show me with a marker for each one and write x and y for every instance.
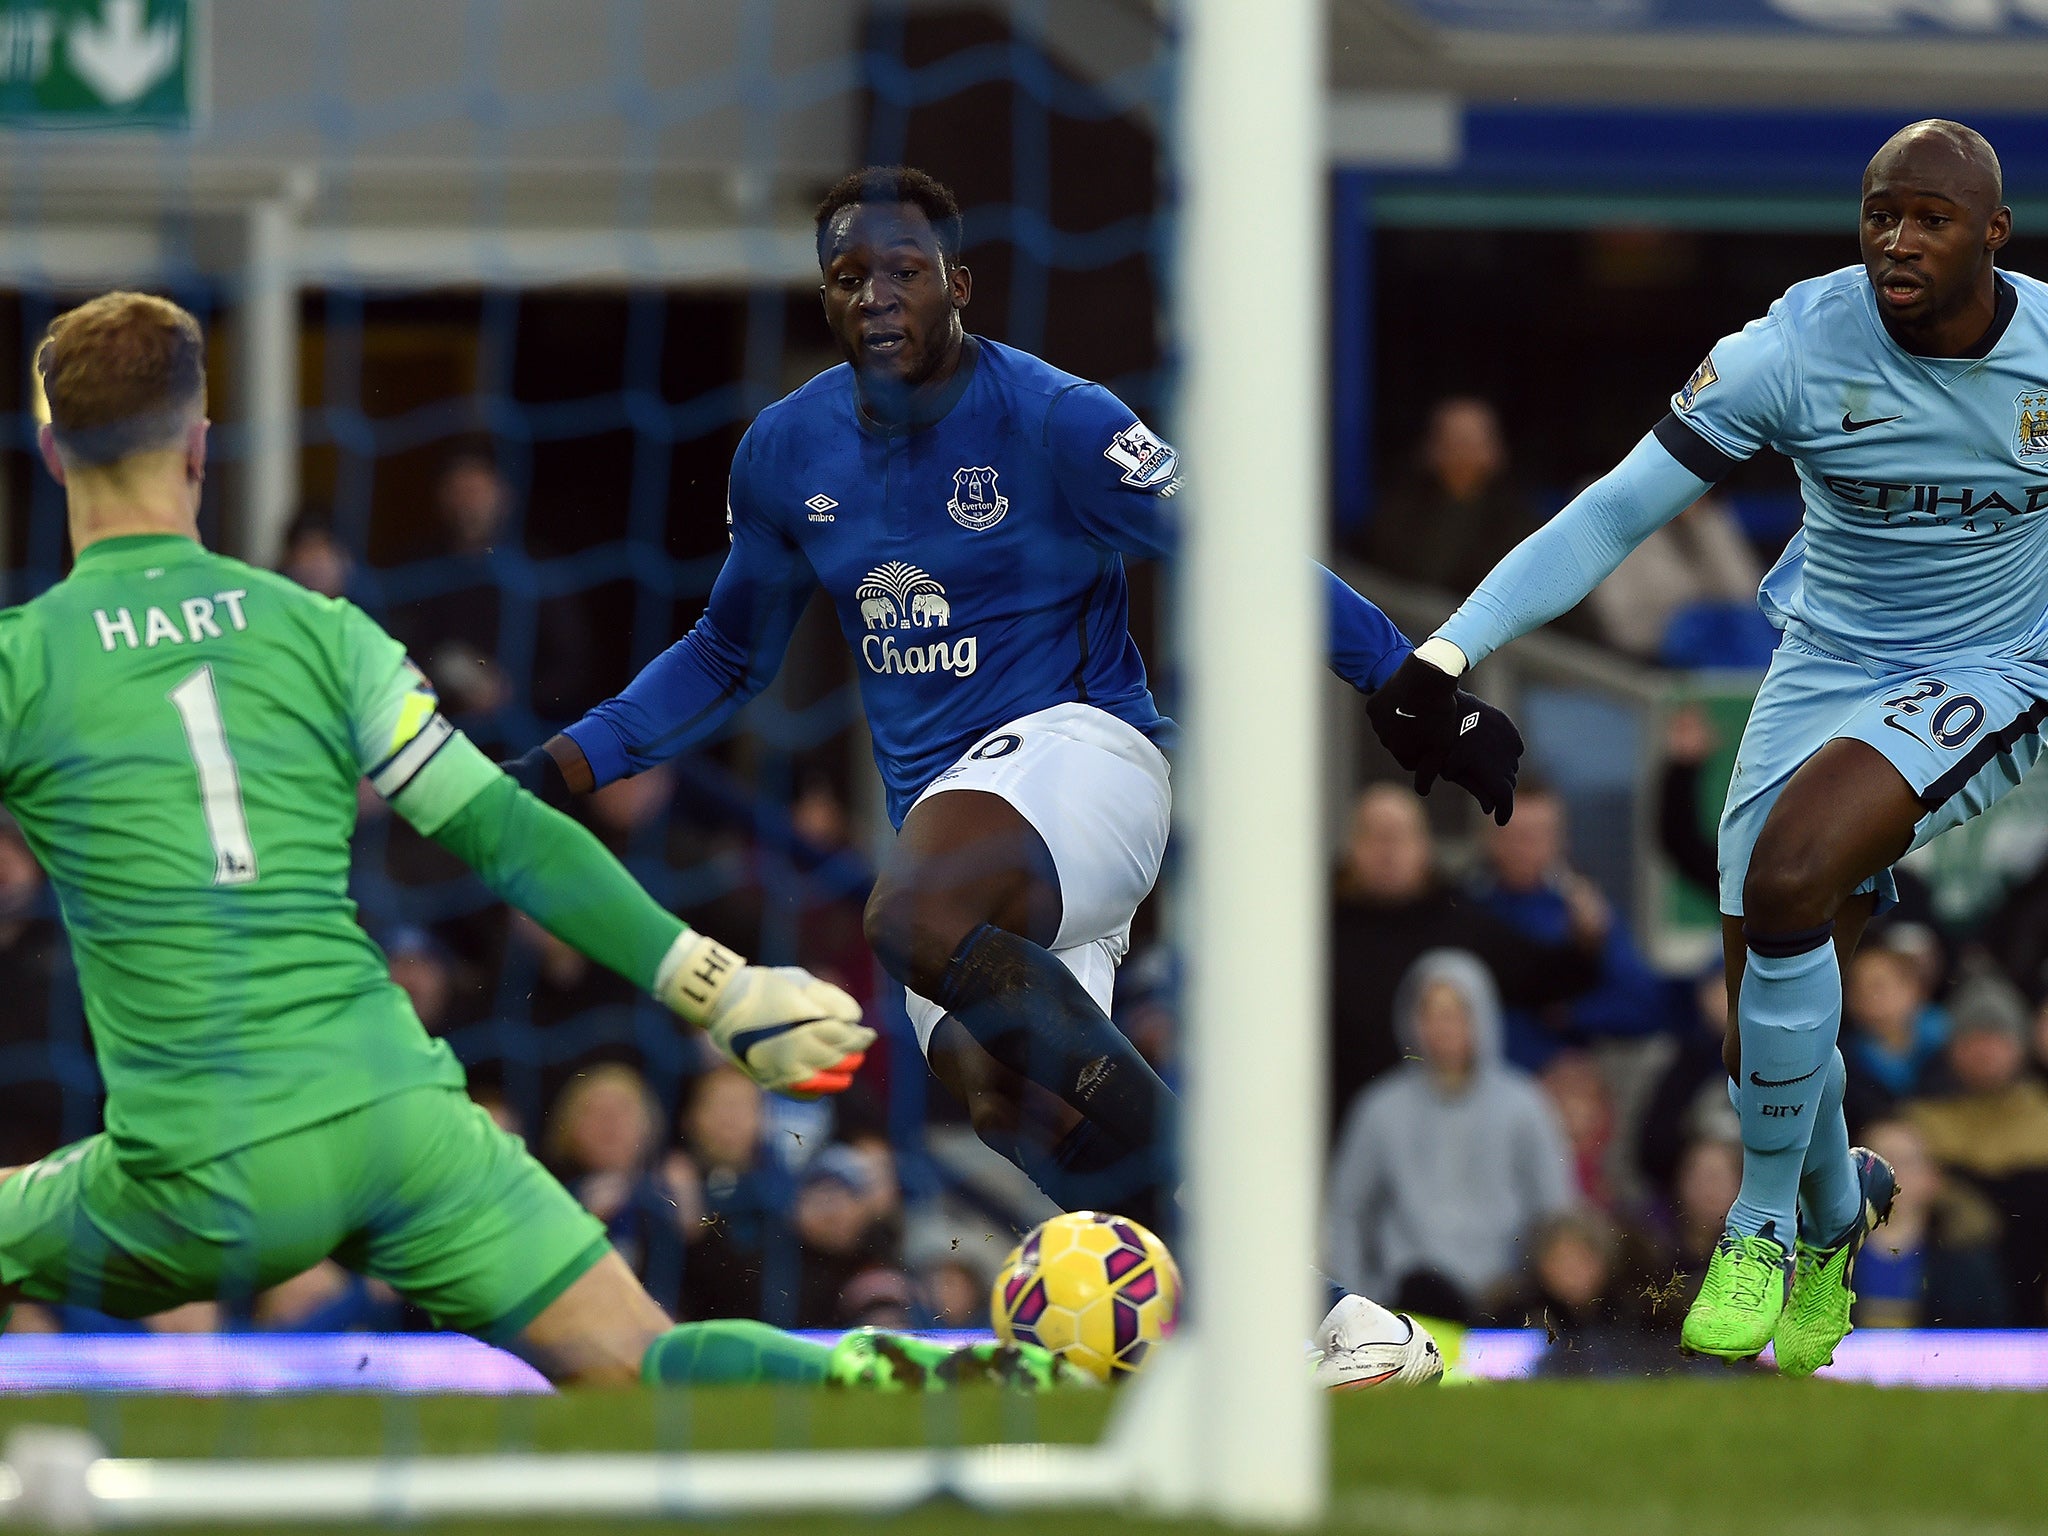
(1943, 157)
(1933, 222)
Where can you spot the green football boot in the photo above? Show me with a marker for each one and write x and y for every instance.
(1737, 1308)
(875, 1360)
(1816, 1319)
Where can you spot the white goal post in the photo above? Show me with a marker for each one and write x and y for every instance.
(1226, 1422)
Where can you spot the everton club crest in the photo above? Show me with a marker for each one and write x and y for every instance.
(976, 502)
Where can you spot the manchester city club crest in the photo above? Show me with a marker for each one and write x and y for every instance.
(2031, 429)
(976, 502)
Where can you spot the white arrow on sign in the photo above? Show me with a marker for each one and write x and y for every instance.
(117, 56)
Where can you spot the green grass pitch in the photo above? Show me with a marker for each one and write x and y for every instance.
(1644, 1458)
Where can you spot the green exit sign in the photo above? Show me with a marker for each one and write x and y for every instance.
(98, 63)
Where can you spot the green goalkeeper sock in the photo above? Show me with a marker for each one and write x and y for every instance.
(732, 1353)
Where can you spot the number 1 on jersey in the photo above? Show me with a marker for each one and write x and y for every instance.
(220, 785)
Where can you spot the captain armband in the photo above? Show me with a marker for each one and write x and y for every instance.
(430, 770)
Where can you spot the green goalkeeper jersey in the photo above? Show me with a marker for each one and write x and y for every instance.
(183, 737)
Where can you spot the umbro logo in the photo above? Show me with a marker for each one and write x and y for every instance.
(1468, 722)
(1090, 1076)
(821, 507)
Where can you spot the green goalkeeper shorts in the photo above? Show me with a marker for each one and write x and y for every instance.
(420, 1190)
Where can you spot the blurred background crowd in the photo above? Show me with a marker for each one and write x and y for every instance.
(1529, 1117)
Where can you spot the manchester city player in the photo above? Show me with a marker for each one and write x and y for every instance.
(967, 508)
(1907, 695)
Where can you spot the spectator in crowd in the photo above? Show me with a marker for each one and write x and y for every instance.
(1992, 1129)
(47, 1080)
(1680, 1234)
(490, 1098)
(1449, 520)
(1529, 884)
(330, 1299)
(315, 557)
(1682, 814)
(1571, 1288)
(846, 1251)
(1147, 992)
(457, 632)
(1698, 559)
(957, 1294)
(1447, 1162)
(601, 1134)
(831, 937)
(1895, 1032)
(637, 818)
(631, 814)
(422, 968)
(1391, 909)
(1691, 1094)
(600, 1139)
(740, 1196)
(2037, 1057)
(1579, 1093)
(586, 1012)
(1935, 1263)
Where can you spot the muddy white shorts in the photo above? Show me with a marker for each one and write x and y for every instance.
(1096, 790)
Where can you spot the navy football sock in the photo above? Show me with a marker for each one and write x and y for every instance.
(1789, 1012)
(1089, 1170)
(1033, 1015)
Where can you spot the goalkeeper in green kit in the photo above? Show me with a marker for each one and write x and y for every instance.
(180, 740)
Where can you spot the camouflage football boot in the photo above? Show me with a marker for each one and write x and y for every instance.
(879, 1361)
(1816, 1318)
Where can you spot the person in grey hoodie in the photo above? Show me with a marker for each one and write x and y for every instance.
(1450, 1159)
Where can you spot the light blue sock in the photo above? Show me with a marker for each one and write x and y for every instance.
(1829, 1195)
(1789, 1013)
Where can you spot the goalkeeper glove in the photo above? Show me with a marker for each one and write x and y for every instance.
(787, 1030)
(1437, 730)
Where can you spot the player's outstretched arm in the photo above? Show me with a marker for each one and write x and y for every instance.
(1420, 714)
(691, 689)
(783, 1027)
(1481, 752)
(1551, 571)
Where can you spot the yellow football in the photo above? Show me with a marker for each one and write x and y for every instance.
(1098, 1289)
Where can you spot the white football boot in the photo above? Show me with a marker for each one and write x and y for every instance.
(1361, 1344)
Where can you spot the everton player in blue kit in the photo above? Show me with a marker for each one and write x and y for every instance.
(1908, 692)
(967, 508)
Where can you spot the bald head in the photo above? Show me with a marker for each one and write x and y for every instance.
(1933, 223)
(1940, 156)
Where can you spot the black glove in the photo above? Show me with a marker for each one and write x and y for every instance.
(1485, 761)
(1436, 730)
(540, 775)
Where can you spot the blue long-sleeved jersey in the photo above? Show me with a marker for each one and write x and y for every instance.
(975, 559)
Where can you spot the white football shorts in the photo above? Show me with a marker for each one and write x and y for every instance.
(1097, 791)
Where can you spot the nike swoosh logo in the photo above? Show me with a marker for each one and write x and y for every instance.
(1851, 425)
(747, 1039)
(1398, 710)
(1783, 1082)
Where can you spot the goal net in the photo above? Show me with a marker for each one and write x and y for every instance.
(491, 291)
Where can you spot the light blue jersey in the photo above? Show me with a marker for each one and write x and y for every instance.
(1914, 598)
(1925, 480)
